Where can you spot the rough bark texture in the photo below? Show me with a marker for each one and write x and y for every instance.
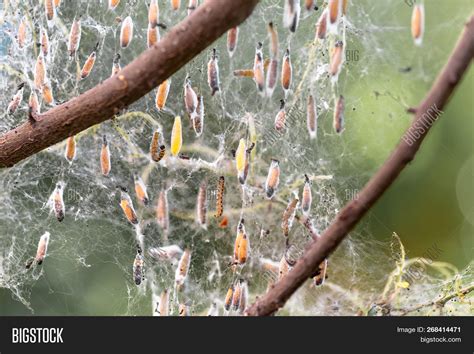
(186, 40)
(425, 114)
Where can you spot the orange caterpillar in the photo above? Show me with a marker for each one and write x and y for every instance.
(70, 153)
(338, 121)
(157, 151)
(113, 4)
(192, 6)
(220, 197)
(162, 214)
(127, 207)
(337, 58)
(232, 39)
(213, 73)
(33, 104)
(89, 64)
(49, 9)
(306, 198)
(153, 36)
(126, 32)
(153, 13)
(311, 117)
(105, 164)
(228, 297)
(175, 4)
(74, 37)
(201, 207)
(40, 72)
(116, 65)
(291, 14)
(241, 245)
(286, 72)
(16, 99)
(140, 190)
(418, 23)
(190, 98)
(258, 69)
(320, 274)
(182, 269)
(334, 7)
(21, 37)
(289, 216)
(321, 25)
(57, 202)
(280, 119)
(44, 42)
(273, 179)
(244, 73)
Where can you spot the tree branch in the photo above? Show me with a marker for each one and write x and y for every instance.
(440, 302)
(186, 40)
(425, 115)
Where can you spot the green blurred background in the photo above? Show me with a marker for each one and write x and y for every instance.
(431, 203)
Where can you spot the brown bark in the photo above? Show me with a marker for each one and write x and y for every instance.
(404, 153)
(186, 40)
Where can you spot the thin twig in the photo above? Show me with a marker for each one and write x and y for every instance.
(440, 302)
